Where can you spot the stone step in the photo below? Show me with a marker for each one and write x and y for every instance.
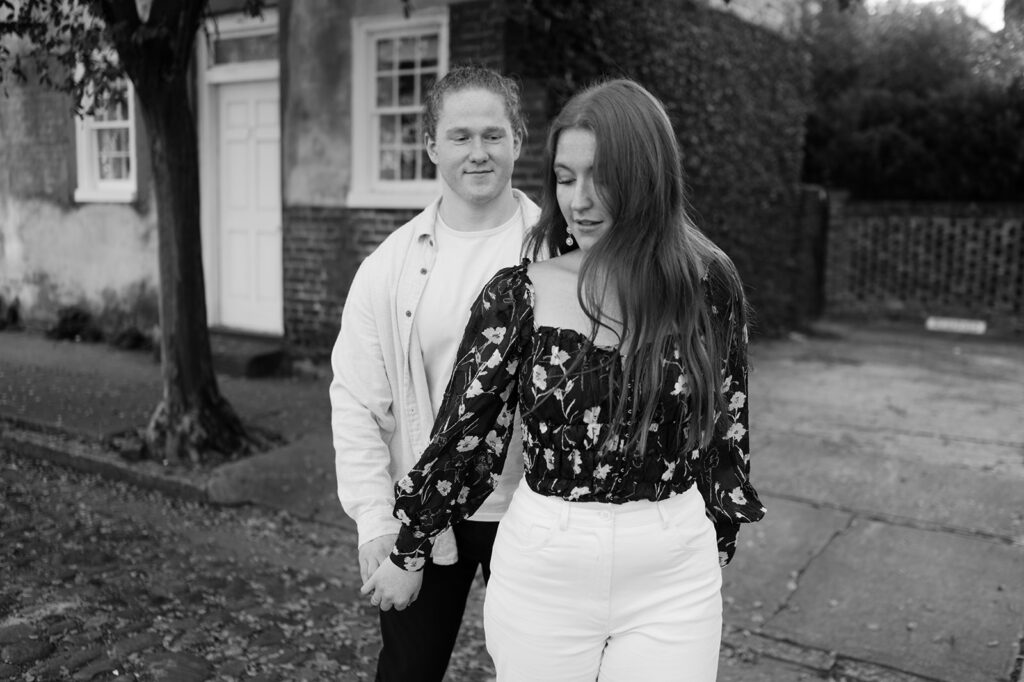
(252, 356)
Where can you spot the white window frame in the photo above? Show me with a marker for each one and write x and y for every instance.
(91, 188)
(365, 189)
(232, 26)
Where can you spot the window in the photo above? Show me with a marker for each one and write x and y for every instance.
(395, 61)
(245, 48)
(238, 47)
(106, 152)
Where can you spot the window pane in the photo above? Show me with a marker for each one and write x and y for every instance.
(388, 165)
(427, 81)
(246, 49)
(385, 55)
(405, 66)
(409, 164)
(114, 110)
(106, 170)
(112, 140)
(428, 51)
(428, 171)
(113, 167)
(410, 128)
(407, 90)
(388, 130)
(120, 166)
(386, 91)
(407, 53)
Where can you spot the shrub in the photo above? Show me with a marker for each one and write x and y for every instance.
(914, 102)
(74, 323)
(737, 95)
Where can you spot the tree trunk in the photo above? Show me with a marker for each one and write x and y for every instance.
(193, 423)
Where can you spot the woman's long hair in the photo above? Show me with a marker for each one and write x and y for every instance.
(652, 261)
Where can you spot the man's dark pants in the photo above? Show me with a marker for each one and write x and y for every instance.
(418, 641)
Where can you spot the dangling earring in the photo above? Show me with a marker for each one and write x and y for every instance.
(568, 237)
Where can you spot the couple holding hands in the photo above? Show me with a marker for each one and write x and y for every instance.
(576, 371)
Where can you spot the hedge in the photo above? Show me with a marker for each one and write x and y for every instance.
(737, 95)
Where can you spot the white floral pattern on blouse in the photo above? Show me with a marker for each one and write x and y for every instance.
(504, 361)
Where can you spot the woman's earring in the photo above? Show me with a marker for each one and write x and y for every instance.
(568, 237)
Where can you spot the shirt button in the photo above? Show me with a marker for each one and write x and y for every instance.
(423, 271)
(408, 313)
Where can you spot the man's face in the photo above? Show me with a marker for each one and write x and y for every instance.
(475, 149)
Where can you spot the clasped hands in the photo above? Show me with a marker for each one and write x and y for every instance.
(387, 584)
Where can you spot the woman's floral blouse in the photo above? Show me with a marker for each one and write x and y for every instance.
(505, 361)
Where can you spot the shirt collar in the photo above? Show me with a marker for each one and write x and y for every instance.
(425, 226)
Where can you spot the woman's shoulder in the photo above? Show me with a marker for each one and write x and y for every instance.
(566, 265)
(555, 279)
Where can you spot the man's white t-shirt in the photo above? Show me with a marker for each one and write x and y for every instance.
(466, 261)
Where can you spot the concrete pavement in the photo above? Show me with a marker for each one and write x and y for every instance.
(891, 462)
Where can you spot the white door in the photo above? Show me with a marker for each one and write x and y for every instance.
(249, 203)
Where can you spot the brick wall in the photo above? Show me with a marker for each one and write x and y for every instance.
(476, 34)
(480, 34)
(529, 173)
(902, 260)
(323, 247)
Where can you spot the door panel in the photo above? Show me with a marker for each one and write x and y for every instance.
(250, 207)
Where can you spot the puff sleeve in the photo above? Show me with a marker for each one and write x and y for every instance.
(729, 497)
(470, 438)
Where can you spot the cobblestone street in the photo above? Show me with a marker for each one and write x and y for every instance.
(103, 581)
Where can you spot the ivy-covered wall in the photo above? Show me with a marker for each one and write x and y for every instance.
(737, 95)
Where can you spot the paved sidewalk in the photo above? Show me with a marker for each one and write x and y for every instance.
(891, 462)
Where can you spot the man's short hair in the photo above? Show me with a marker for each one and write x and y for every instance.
(474, 77)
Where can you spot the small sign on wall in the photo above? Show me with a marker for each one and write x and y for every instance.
(956, 325)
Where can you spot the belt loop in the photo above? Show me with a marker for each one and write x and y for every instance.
(661, 513)
(563, 521)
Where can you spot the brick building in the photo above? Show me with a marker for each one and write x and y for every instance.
(310, 155)
(344, 198)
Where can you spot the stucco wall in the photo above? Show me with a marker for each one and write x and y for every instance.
(54, 252)
(51, 256)
(316, 72)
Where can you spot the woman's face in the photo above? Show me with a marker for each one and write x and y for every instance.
(585, 214)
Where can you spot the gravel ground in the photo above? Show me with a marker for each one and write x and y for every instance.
(103, 581)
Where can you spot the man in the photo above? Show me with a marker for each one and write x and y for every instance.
(400, 331)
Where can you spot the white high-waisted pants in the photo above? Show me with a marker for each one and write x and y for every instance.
(590, 591)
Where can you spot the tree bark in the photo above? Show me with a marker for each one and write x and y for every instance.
(193, 424)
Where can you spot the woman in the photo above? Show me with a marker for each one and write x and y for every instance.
(627, 359)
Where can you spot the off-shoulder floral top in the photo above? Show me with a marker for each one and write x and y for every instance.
(504, 360)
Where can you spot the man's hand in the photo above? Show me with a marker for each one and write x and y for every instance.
(391, 586)
(373, 553)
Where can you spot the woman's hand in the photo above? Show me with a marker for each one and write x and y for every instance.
(391, 586)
